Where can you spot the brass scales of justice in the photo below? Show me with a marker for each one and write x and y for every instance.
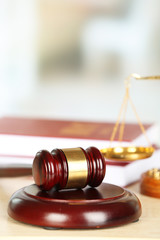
(68, 191)
(131, 153)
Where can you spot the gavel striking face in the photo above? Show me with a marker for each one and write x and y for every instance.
(68, 168)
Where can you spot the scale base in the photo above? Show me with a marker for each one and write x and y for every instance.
(105, 206)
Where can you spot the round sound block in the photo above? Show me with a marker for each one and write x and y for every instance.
(105, 206)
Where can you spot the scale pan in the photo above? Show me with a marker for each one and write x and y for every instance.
(127, 153)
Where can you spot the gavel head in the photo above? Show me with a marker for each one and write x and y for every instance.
(68, 168)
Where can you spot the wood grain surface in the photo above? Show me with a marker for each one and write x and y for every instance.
(148, 227)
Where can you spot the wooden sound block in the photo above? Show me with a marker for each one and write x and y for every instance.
(105, 206)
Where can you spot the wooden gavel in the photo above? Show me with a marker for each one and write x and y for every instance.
(68, 168)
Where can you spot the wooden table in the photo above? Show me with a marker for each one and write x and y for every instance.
(148, 226)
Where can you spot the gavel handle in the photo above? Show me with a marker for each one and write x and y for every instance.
(15, 172)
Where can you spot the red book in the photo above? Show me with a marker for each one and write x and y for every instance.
(31, 127)
(21, 138)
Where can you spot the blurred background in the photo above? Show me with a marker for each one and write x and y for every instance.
(69, 59)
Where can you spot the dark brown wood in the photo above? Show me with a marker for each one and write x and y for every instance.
(51, 169)
(15, 172)
(105, 206)
(96, 166)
